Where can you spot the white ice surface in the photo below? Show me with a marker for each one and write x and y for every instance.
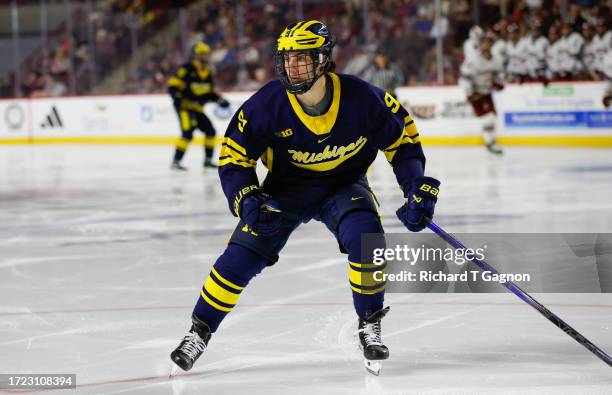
(103, 251)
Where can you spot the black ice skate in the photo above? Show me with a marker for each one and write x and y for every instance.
(177, 166)
(370, 341)
(209, 164)
(192, 345)
(494, 149)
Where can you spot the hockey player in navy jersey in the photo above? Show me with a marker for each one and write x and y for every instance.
(317, 132)
(191, 88)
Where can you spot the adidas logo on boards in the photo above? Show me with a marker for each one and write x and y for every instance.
(52, 120)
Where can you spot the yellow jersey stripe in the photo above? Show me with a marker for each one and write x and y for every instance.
(229, 153)
(395, 144)
(232, 143)
(235, 162)
(390, 155)
(177, 83)
(411, 130)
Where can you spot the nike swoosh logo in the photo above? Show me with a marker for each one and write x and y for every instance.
(322, 140)
(357, 198)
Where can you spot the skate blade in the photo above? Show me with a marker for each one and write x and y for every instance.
(373, 367)
(174, 371)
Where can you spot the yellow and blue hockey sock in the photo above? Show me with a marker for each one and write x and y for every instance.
(229, 276)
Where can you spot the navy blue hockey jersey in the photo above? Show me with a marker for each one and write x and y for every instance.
(311, 156)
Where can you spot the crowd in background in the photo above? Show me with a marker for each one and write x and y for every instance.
(541, 45)
(245, 61)
(99, 41)
(242, 37)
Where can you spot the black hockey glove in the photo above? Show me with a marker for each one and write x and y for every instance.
(421, 203)
(261, 213)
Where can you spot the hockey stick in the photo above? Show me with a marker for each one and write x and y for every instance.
(515, 289)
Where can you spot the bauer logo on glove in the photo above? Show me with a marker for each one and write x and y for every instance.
(421, 203)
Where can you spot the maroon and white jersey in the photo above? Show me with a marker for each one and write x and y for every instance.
(516, 53)
(498, 50)
(537, 49)
(480, 75)
(602, 44)
(606, 66)
(589, 57)
(571, 50)
(470, 49)
(553, 58)
(606, 69)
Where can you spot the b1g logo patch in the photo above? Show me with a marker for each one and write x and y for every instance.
(284, 133)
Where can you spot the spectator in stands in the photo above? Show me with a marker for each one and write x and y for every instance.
(105, 49)
(61, 62)
(404, 28)
(553, 55)
(602, 42)
(33, 82)
(6, 88)
(571, 50)
(575, 17)
(245, 82)
(516, 55)
(52, 87)
(589, 52)
(537, 46)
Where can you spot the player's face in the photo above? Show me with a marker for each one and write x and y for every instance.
(299, 66)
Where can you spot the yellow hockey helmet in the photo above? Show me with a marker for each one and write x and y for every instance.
(310, 36)
(200, 48)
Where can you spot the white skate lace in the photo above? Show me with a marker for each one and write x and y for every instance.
(372, 334)
(193, 345)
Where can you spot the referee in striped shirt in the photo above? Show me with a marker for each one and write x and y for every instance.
(384, 74)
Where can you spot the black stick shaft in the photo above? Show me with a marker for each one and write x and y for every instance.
(515, 289)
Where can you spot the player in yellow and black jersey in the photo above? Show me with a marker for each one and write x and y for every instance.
(191, 88)
(317, 132)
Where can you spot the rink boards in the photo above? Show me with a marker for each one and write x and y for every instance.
(561, 114)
